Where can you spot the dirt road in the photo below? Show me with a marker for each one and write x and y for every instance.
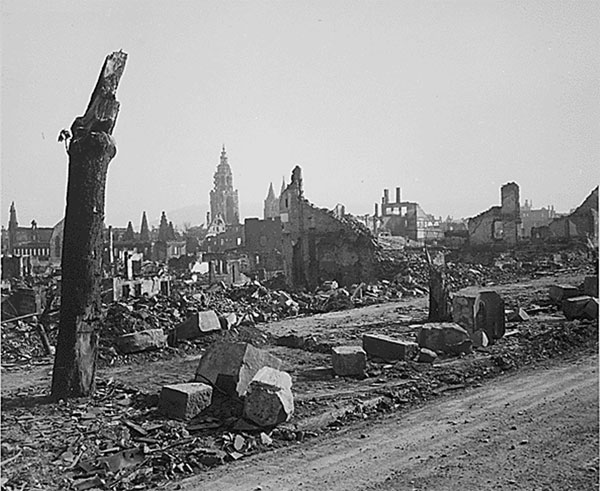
(534, 430)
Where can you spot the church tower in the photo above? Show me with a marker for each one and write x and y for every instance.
(271, 209)
(223, 198)
(13, 225)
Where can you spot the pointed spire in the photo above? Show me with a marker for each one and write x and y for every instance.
(144, 231)
(129, 235)
(12, 221)
(283, 186)
(271, 193)
(163, 228)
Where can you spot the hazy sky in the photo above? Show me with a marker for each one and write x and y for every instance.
(446, 99)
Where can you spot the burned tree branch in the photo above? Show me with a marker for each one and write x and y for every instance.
(90, 150)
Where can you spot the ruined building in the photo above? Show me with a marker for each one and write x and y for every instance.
(531, 217)
(318, 246)
(223, 198)
(500, 225)
(582, 223)
(271, 208)
(405, 219)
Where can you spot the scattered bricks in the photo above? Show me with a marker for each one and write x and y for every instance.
(269, 400)
(559, 293)
(444, 337)
(142, 341)
(228, 321)
(389, 349)
(349, 360)
(463, 309)
(231, 366)
(590, 286)
(480, 339)
(519, 316)
(591, 309)
(426, 356)
(575, 308)
(489, 314)
(198, 324)
(184, 401)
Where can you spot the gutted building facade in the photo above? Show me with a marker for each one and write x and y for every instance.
(500, 225)
(317, 245)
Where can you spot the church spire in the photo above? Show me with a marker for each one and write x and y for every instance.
(12, 221)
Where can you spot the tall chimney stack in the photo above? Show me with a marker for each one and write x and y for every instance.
(397, 195)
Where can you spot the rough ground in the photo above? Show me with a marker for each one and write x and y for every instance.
(536, 430)
(552, 379)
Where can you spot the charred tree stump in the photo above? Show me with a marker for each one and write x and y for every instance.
(90, 150)
(439, 296)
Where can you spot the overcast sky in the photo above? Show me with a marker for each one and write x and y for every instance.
(446, 99)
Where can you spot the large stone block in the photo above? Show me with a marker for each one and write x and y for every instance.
(349, 360)
(591, 309)
(575, 307)
(559, 293)
(389, 349)
(426, 356)
(198, 324)
(269, 400)
(463, 309)
(142, 341)
(231, 366)
(489, 314)
(444, 337)
(184, 401)
(590, 286)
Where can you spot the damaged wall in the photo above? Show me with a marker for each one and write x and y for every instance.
(499, 224)
(318, 246)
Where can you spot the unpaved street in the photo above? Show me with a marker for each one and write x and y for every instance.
(533, 430)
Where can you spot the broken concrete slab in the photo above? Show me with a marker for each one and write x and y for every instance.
(231, 366)
(444, 337)
(349, 361)
(575, 307)
(426, 356)
(388, 348)
(184, 401)
(198, 324)
(142, 341)
(590, 286)
(269, 400)
(559, 293)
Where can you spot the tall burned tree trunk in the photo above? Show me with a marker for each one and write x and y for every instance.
(90, 150)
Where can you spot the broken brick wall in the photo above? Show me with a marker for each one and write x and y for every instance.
(318, 246)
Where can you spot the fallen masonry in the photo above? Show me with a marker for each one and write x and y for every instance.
(198, 324)
(559, 293)
(269, 400)
(142, 341)
(590, 286)
(445, 337)
(349, 361)
(184, 401)
(389, 349)
(231, 366)
(481, 314)
(577, 308)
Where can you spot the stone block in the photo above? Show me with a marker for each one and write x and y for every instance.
(228, 321)
(444, 337)
(142, 341)
(575, 307)
(184, 401)
(463, 310)
(489, 314)
(389, 349)
(269, 400)
(591, 309)
(198, 324)
(480, 339)
(231, 366)
(349, 360)
(518, 316)
(559, 293)
(590, 286)
(426, 356)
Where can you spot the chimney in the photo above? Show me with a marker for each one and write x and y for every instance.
(386, 196)
(397, 195)
(376, 210)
